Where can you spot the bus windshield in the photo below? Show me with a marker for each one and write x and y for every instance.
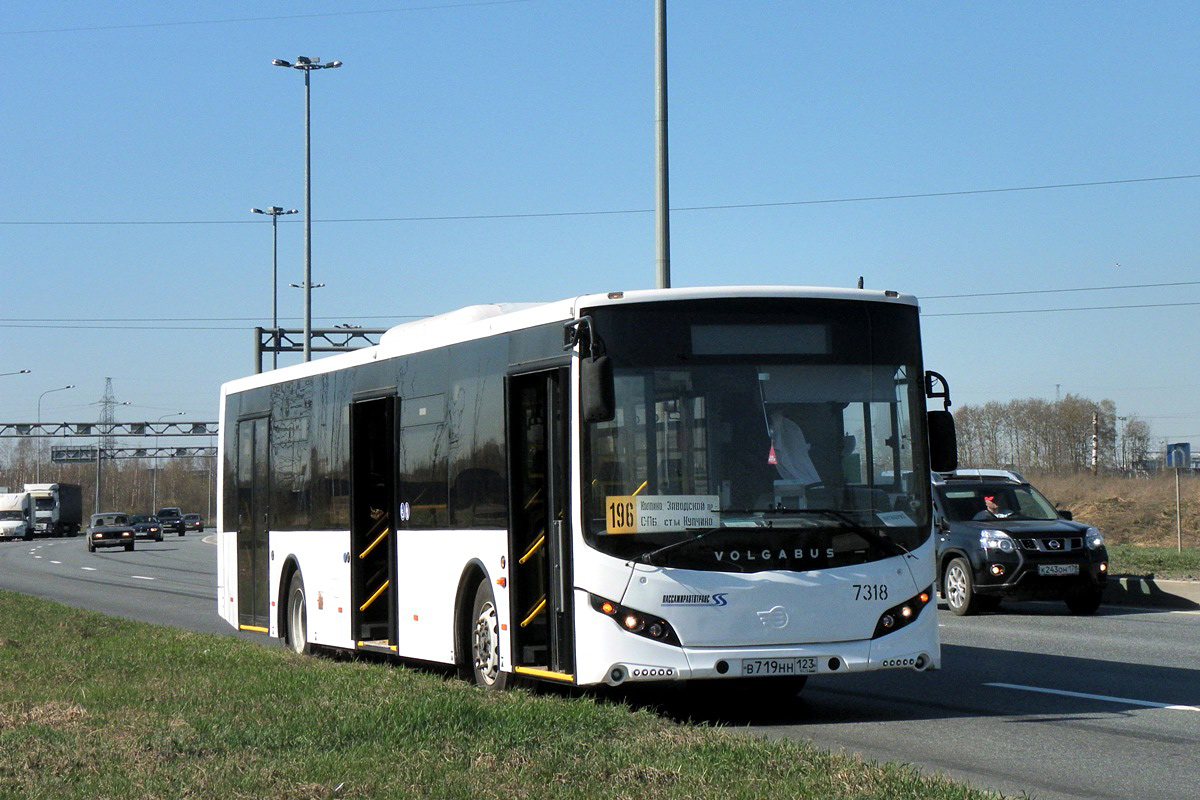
(760, 441)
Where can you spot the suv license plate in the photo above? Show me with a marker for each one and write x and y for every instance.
(1058, 569)
(806, 665)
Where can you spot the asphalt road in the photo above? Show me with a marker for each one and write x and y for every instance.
(1029, 699)
(172, 582)
(1032, 700)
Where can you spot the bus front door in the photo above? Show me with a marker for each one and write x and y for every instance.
(543, 643)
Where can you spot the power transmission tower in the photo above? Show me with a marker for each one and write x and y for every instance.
(105, 442)
(108, 415)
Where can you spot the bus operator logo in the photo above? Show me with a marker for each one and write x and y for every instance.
(695, 600)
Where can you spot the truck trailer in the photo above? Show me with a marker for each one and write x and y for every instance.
(16, 515)
(59, 508)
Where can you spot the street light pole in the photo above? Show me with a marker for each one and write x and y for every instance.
(274, 212)
(662, 205)
(307, 65)
(38, 468)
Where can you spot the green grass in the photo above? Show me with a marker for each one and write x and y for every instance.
(94, 706)
(1161, 562)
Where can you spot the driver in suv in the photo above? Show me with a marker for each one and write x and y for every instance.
(1000, 538)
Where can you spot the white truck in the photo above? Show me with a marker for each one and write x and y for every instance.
(16, 515)
(58, 508)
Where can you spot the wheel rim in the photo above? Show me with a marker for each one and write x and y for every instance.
(297, 621)
(956, 587)
(485, 646)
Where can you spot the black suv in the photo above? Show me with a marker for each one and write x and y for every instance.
(1000, 538)
(171, 519)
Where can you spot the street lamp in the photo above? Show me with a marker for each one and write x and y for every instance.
(18, 372)
(154, 481)
(38, 468)
(307, 65)
(274, 212)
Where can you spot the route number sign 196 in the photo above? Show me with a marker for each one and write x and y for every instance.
(661, 512)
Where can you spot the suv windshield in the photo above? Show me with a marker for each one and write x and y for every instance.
(773, 437)
(1012, 501)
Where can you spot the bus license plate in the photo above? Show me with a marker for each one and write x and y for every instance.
(1058, 569)
(806, 665)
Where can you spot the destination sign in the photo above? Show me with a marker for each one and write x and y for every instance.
(661, 512)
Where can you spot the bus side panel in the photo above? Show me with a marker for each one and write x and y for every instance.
(323, 560)
(427, 589)
(227, 594)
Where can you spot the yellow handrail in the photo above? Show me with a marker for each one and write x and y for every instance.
(533, 498)
(533, 548)
(541, 605)
(375, 596)
(639, 489)
(371, 547)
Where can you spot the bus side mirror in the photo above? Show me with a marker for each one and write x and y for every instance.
(943, 442)
(597, 389)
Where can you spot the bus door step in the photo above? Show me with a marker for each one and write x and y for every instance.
(532, 655)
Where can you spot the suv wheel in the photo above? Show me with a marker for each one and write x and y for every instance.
(959, 589)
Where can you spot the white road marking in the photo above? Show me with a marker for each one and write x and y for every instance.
(88, 569)
(1122, 700)
(141, 578)
(52, 561)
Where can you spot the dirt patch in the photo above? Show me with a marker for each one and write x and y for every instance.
(50, 715)
(1137, 511)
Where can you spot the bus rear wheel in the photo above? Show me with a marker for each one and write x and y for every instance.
(296, 619)
(485, 641)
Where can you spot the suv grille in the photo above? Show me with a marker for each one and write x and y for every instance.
(1052, 544)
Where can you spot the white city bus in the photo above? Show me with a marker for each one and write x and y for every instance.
(663, 485)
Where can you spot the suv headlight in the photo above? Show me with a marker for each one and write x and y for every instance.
(997, 540)
(1094, 540)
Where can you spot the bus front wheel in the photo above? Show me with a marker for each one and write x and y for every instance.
(485, 641)
(296, 635)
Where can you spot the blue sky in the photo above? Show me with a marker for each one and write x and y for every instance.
(473, 152)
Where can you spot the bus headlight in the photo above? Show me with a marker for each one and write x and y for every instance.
(637, 622)
(903, 614)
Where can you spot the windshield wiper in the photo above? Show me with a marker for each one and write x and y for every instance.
(872, 535)
(648, 557)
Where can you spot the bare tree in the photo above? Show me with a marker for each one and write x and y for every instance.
(1042, 435)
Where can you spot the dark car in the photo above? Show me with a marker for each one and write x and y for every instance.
(193, 522)
(109, 529)
(171, 519)
(1000, 538)
(146, 526)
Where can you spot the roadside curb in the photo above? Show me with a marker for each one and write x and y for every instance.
(1145, 590)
